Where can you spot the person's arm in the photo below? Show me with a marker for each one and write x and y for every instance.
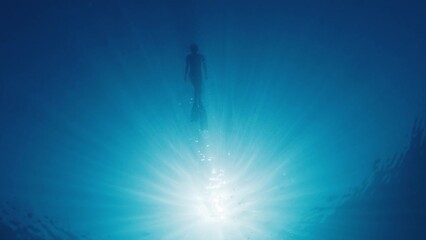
(204, 68)
(186, 69)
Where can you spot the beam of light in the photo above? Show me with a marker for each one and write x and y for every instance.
(98, 135)
(151, 174)
(204, 194)
(225, 183)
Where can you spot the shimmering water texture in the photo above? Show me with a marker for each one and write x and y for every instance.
(290, 120)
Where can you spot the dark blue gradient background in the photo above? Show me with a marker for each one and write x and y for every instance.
(312, 109)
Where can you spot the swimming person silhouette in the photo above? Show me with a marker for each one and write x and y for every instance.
(196, 70)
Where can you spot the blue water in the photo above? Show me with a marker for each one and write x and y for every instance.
(303, 98)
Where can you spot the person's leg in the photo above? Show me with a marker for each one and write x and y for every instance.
(195, 115)
(203, 118)
(197, 94)
(201, 113)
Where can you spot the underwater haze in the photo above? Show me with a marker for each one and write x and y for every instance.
(309, 126)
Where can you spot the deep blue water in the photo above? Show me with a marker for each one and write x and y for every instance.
(314, 112)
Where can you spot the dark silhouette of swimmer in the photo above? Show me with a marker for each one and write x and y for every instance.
(196, 70)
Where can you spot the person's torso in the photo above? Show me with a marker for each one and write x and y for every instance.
(195, 62)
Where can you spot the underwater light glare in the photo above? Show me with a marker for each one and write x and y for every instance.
(214, 202)
(217, 212)
(201, 191)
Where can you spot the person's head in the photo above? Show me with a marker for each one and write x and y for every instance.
(194, 48)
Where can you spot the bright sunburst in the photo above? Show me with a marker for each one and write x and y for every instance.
(206, 194)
